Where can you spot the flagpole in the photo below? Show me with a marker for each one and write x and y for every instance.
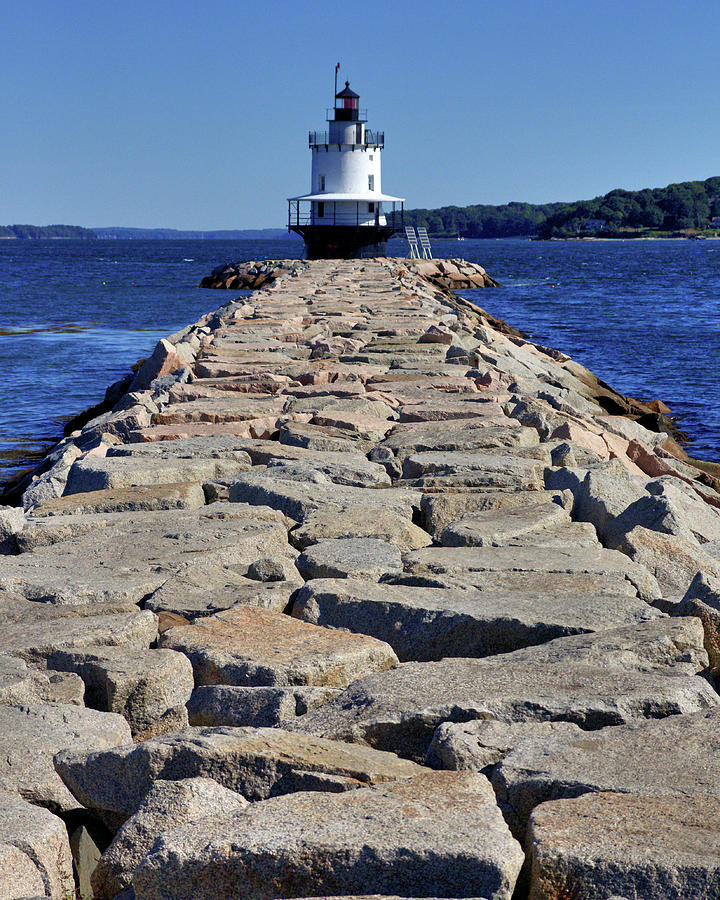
(336, 71)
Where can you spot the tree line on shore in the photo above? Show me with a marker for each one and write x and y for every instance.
(683, 208)
(35, 232)
(687, 206)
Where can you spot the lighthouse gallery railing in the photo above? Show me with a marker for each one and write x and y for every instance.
(370, 139)
(343, 216)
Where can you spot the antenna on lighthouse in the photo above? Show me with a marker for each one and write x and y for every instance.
(337, 68)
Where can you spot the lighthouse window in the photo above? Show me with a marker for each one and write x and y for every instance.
(371, 182)
(321, 210)
(321, 182)
(371, 207)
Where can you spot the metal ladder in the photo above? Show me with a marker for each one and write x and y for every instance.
(412, 241)
(424, 243)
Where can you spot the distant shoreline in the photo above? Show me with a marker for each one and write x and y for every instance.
(278, 234)
(628, 240)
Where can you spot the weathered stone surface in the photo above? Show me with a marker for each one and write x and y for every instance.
(324, 438)
(48, 530)
(141, 498)
(468, 406)
(563, 455)
(234, 408)
(425, 623)
(218, 446)
(574, 584)
(45, 531)
(31, 735)
(216, 368)
(488, 470)
(255, 647)
(163, 360)
(33, 632)
(134, 553)
(672, 646)
(441, 510)
(273, 570)
(93, 474)
(481, 744)
(86, 838)
(616, 844)
(630, 429)
(656, 461)
(459, 560)
(12, 522)
(227, 510)
(167, 805)
(457, 482)
(263, 427)
(667, 505)
(35, 857)
(438, 833)
(354, 412)
(51, 483)
(21, 685)
(338, 389)
(265, 383)
(349, 472)
(256, 762)
(298, 500)
(495, 527)
(201, 590)
(702, 599)
(676, 757)
(600, 494)
(459, 437)
(401, 708)
(71, 574)
(121, 423)
(369, 427)
(358, 522)
(576, 434)
(259, 707)
(262, 453)
(418, 383)
(528, 411)
(350, 557)
(149, 688)
(671, 559)
(581, 535)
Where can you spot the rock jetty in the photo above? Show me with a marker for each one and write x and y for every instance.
(350, 590)
(447, 273)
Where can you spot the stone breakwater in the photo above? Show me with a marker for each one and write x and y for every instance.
(458, 274)
(353, 592)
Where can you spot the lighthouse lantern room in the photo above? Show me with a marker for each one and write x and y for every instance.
(345, 215)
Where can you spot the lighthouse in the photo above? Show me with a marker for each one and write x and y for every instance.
(345, 215)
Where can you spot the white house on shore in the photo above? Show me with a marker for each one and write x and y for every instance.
(346, 214)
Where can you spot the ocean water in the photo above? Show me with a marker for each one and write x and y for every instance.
(74, 315)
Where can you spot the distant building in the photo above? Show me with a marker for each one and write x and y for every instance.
(346, 214)
(595, 225)
(715, 222)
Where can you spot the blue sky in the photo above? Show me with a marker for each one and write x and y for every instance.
(195, 115)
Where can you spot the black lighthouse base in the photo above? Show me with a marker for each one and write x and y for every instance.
(344, 241)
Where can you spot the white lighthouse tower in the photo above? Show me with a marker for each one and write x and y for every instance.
(346, 214)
